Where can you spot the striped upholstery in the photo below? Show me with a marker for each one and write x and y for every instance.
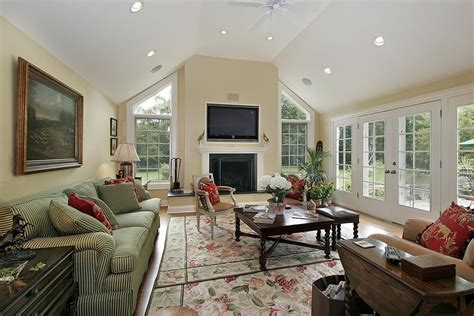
(69, 221)
(106, 304)
(83, 189)
(35, 212)
(5, 220)
(119, 197)
(107, 211)
(128, 245)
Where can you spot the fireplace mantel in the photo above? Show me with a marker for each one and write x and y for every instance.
(233, 149)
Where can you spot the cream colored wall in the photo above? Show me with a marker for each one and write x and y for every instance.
(325, 118)
(97, 111)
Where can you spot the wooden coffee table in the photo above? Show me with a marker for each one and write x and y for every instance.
(386, 289)
(283, 225)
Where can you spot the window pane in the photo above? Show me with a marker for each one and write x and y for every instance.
(293, 146)
(291, 110)
(422, 141)
(465, 177)
(422, 161)
(422, 122)
(348, 131)
(159, 104)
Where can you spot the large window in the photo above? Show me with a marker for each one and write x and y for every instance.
(294, 134)
(153, 120)
(344, 158)
(465, 153)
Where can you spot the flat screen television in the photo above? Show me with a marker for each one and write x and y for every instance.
(232, 122)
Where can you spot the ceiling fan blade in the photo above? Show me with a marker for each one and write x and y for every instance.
(246, 3)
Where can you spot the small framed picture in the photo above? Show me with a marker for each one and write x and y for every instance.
(113, 127)
(113, 145)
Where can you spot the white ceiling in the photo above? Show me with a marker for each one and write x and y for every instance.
(426, 40)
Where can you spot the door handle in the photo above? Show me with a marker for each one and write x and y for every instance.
(393, 171)
(387, 171)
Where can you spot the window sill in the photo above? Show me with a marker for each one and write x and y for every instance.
(159, 186)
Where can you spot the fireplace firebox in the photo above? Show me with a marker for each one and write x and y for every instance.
(235, 170)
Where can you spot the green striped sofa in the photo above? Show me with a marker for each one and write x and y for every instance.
(108, 268)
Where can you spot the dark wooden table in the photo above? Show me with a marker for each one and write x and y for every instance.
(388, 291)
(49, 291)
(283, 225)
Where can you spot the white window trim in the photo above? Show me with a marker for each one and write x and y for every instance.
(282, 88)
(130, 119)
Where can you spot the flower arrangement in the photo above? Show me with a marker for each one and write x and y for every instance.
(322, 191)
(276, 185)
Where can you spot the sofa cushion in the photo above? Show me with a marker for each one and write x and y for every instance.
(451, 232)
(83, 189)
(142, 193)
(90, 208)
(126, 180)
(129, 242)
(35, 211)
(107, 211)
(69, 221)
(119, 197)
(151, 205)
(136, 219)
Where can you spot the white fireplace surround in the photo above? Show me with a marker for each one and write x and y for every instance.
(259, 151)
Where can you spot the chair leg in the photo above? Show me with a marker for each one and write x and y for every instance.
(213, 222)
(198, 219)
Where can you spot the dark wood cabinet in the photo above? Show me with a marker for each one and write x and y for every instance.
(49, 291)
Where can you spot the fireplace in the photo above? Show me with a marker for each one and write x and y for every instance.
(234, 170)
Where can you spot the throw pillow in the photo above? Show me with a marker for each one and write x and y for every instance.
(106, 209)
(449, 234)
(126, 180)
(90, 208)
(119, 197)
(69, 221)
(84, 189)
(211, 188)
(142, 193)
(297, 188)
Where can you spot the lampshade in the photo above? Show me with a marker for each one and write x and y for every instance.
(125, 152)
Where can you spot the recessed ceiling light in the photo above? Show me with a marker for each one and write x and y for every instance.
(379, 41)
(328, 70)
(307, 82)
(156, 68)
(223, 32)
(269, 38)
(136, 6)
(151, 53)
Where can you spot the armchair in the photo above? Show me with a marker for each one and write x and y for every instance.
(203, 203)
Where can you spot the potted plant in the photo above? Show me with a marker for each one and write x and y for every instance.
(316, 194)
(278, 187)
(312, 167)
(327, 191)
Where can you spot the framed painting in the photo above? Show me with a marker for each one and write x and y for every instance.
(113, 127)
(113, 145)
(49, 121)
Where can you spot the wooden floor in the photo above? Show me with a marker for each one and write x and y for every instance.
(368, 225)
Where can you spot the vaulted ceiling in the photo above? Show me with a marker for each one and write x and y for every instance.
(425, 40)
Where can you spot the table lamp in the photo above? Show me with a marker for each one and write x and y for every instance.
(126, 155)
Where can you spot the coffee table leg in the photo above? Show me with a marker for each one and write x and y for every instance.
(263, 255)
(356, 230)
(333, 236)
(318, 235)
(327, 250)
(237, 228)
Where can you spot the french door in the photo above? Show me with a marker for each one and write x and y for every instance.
(399, 162)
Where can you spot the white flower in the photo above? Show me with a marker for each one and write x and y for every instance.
(278, 182)
(263, 182)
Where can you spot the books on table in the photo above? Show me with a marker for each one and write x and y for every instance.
(364, 244)
(264, 218)
(305, 215)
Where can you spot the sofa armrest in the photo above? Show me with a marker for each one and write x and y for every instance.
(92, 255)
(469, 255)
(413, 227)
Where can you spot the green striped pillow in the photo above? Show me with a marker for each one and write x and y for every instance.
(119, 197)
(69, 221)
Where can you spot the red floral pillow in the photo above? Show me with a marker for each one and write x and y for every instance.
(449, 234)
(90, 208)
(127, 179)
(211, 188)
(297, 188)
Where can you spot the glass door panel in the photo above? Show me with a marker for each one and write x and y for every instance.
(373, 162)
(465, 155)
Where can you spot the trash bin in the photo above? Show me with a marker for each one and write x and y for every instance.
(323, 305)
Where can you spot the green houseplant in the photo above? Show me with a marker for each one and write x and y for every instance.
(312, 168)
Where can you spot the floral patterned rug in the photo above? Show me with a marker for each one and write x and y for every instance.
(223, 276)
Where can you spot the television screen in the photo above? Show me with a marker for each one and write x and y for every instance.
(232, 122)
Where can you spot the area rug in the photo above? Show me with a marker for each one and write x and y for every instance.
(223, 276)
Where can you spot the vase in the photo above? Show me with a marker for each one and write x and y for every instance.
(276, 208)
(328, 202)
(318, 202)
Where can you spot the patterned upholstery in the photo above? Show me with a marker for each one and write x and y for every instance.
(101, 292)
(83, 189)
(119, 197)
(107, 211)
(69, 221)
(128, 245)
